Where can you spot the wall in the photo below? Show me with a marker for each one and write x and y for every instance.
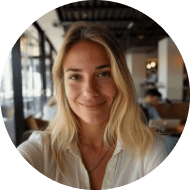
(170, 70)
(137, 67)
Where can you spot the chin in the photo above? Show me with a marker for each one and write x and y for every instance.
(94, 121)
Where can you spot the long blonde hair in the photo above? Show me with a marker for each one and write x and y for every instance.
(125, 123)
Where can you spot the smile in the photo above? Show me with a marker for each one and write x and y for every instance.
(92, 106)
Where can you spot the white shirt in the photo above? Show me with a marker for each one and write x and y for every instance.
(120, 169)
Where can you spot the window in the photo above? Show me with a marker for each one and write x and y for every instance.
(31, 75)
(32, 56)
(7, 100)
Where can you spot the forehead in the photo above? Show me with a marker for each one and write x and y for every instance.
(86, 54)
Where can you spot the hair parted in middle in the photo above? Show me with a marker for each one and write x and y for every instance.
(125, 123)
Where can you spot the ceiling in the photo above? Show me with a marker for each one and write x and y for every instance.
(133, 29)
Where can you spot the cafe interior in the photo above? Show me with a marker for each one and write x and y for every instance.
(27, 89)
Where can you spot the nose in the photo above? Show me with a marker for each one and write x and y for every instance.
(90, 88)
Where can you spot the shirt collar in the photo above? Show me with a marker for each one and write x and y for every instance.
(119, 147)
(74, 149)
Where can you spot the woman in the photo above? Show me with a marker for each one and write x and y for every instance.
(98, 138)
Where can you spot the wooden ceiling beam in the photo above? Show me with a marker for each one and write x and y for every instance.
(106, 22)
(87, 9)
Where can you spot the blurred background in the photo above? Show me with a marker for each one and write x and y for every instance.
(26, 91)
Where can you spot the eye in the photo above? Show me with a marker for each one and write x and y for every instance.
(75, 77)
(104, 74)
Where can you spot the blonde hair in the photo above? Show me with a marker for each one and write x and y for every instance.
(125, 123)
(52, 102)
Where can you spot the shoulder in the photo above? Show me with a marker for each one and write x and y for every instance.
(159, 143)
(156, 155)
(33, 149)
(36, 139)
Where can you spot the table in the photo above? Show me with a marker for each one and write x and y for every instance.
(177, 131)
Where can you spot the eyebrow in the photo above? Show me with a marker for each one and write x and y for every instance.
(102, 66)
(97, 68)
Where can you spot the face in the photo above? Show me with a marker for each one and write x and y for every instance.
(89, 85)
(154, 100)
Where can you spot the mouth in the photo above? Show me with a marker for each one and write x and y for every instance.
(92, 106)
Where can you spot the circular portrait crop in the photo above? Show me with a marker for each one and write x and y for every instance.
(95, 95)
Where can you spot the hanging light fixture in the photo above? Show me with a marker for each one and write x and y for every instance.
(148, 66)
(153, 64)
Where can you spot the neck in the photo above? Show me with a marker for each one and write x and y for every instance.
(91, 135)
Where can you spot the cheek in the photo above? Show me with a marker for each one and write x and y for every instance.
(110, 89)
(71, 91)
(114, 91)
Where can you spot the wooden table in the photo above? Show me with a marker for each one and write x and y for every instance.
(177, 131)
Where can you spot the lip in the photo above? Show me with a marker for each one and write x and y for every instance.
(92, 106)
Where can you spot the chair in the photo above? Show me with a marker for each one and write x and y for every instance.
(42, 125)
(26, 135)
(33, 125)
(36, 124)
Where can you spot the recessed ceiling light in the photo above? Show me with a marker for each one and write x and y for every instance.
(130, 25)
(140, 37)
